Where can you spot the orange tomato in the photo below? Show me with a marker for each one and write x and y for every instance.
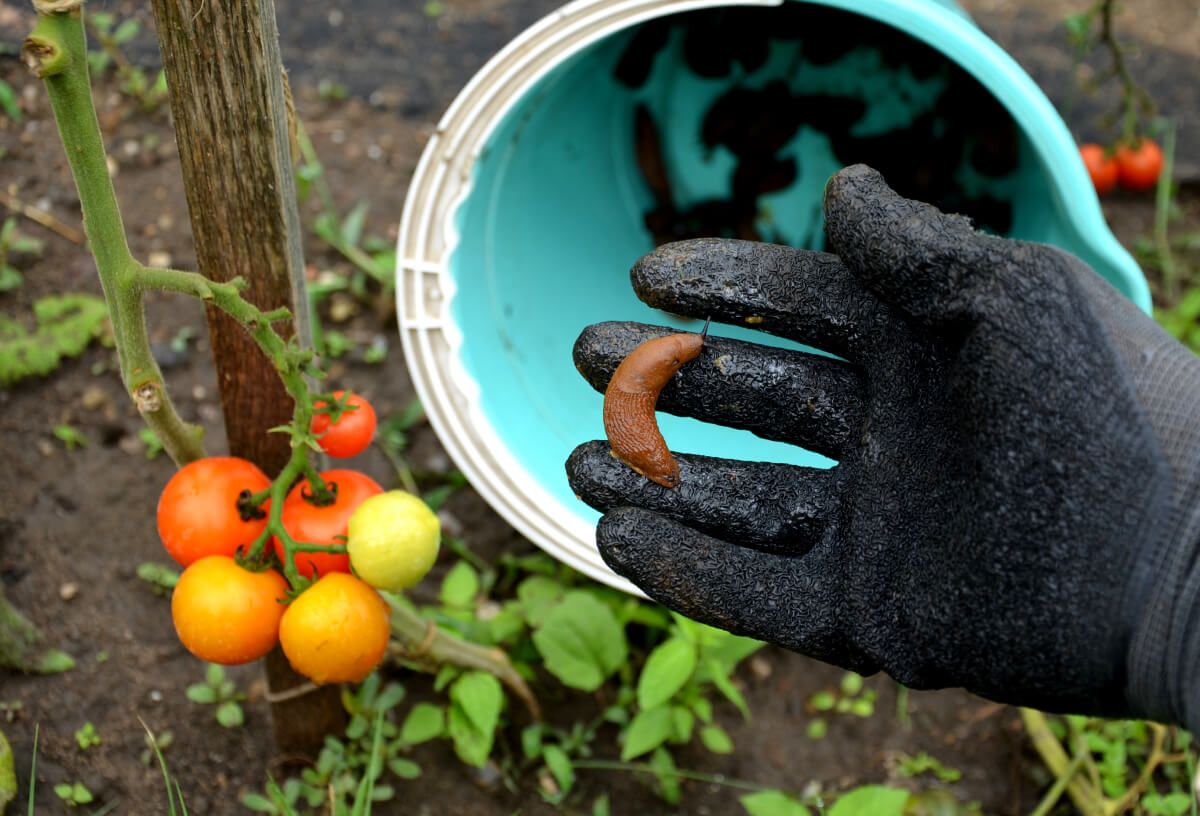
(336, 631)
(351, 434)
(1139, 167)
(308, 523)
(225, 613)
(198, 513)
(1100, 166)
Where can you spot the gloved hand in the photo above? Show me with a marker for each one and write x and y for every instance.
(1016, 504)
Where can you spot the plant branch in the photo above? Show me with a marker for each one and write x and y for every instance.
(417, 640)
(1086, 799)
(56, 51)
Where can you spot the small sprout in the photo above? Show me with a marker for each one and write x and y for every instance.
(330, 90)
(156, 744)
(70, 437)
(161, 579)
(10, 709)
(87, 736)
(73, 793)
(102, 656)
(152, 443)
(219, 692)
(817, 728)
(910, 766)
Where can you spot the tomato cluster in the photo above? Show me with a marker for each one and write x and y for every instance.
(233, 603)
(1134, 167)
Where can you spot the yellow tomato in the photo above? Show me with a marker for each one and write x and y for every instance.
(336, 631)
(393, 540)
(226, 614)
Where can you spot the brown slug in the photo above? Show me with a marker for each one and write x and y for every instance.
(630, 400)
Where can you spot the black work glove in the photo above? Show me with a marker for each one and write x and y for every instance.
(1016, 505)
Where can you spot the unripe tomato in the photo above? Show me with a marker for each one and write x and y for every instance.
(336, 631)
(225, 613)
(308, 523)
(1100, 166)
(198, 513)
(1139, 167)
(394, 540)
(351, 434)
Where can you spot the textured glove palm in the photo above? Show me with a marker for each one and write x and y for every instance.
(1016, 504)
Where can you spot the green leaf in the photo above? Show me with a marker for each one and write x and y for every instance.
(475, 711)
(772, 803)
(126, 31)
(214, 675)
(666, 776)
(703, 709)
(667, 669)
(230, 714)
(201, 693)
(648, 730)
(823, 701)
(351, 230)
(600, 807)
(12, 109)
(851, 683)
(404, 768)
(716, 740)
(480, 697)
(537, 595)
(581, 641)
(8, 774)
(66, 325)
(10, 278)
(531, 741)
(425, 722)
(258, 803)
(817, 729)
(870, 800)
(460, 586)
(560, 767)
(721, 680)
(685, 722)
(71, 438)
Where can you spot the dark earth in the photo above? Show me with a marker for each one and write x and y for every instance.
(75, 525)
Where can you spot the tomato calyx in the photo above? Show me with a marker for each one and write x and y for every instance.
(335, 405)
(320, 499)
(249, 506)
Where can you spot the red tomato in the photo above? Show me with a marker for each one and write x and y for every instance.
(1102, 168)
(198, 513)
(1139, 167)
(351, 434)
(310, 524)
(226, 614)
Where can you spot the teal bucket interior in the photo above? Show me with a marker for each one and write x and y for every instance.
(556, 214)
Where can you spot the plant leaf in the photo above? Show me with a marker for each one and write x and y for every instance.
(424, 722)
(716, 740)
(870, 800)
(649, 730)
(667, 669)
(8, 774)
(460, 586)
(560, 766)
(230, 714)
(772, 803)
(581, 641)
(201, 694)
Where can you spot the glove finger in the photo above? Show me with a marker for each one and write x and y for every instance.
(803, 399)
(805, 296)
(910, 254)
(773, 507)
(795, 602)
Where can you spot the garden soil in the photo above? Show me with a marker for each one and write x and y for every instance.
(75, 524)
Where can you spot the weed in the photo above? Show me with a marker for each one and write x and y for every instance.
(71, 438)
(217, 691)
(14, 243)
(73, 794)
(87, 736)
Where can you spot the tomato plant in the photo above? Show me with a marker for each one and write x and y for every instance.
(1139, 165)
(392, 540)
(351, 432)
(336, 631)
(198, 513)
(309, 520)
(224, 613)
(1100, 166)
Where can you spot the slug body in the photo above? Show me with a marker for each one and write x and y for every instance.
(630, 400)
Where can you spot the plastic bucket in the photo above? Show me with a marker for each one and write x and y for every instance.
(533, 199)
